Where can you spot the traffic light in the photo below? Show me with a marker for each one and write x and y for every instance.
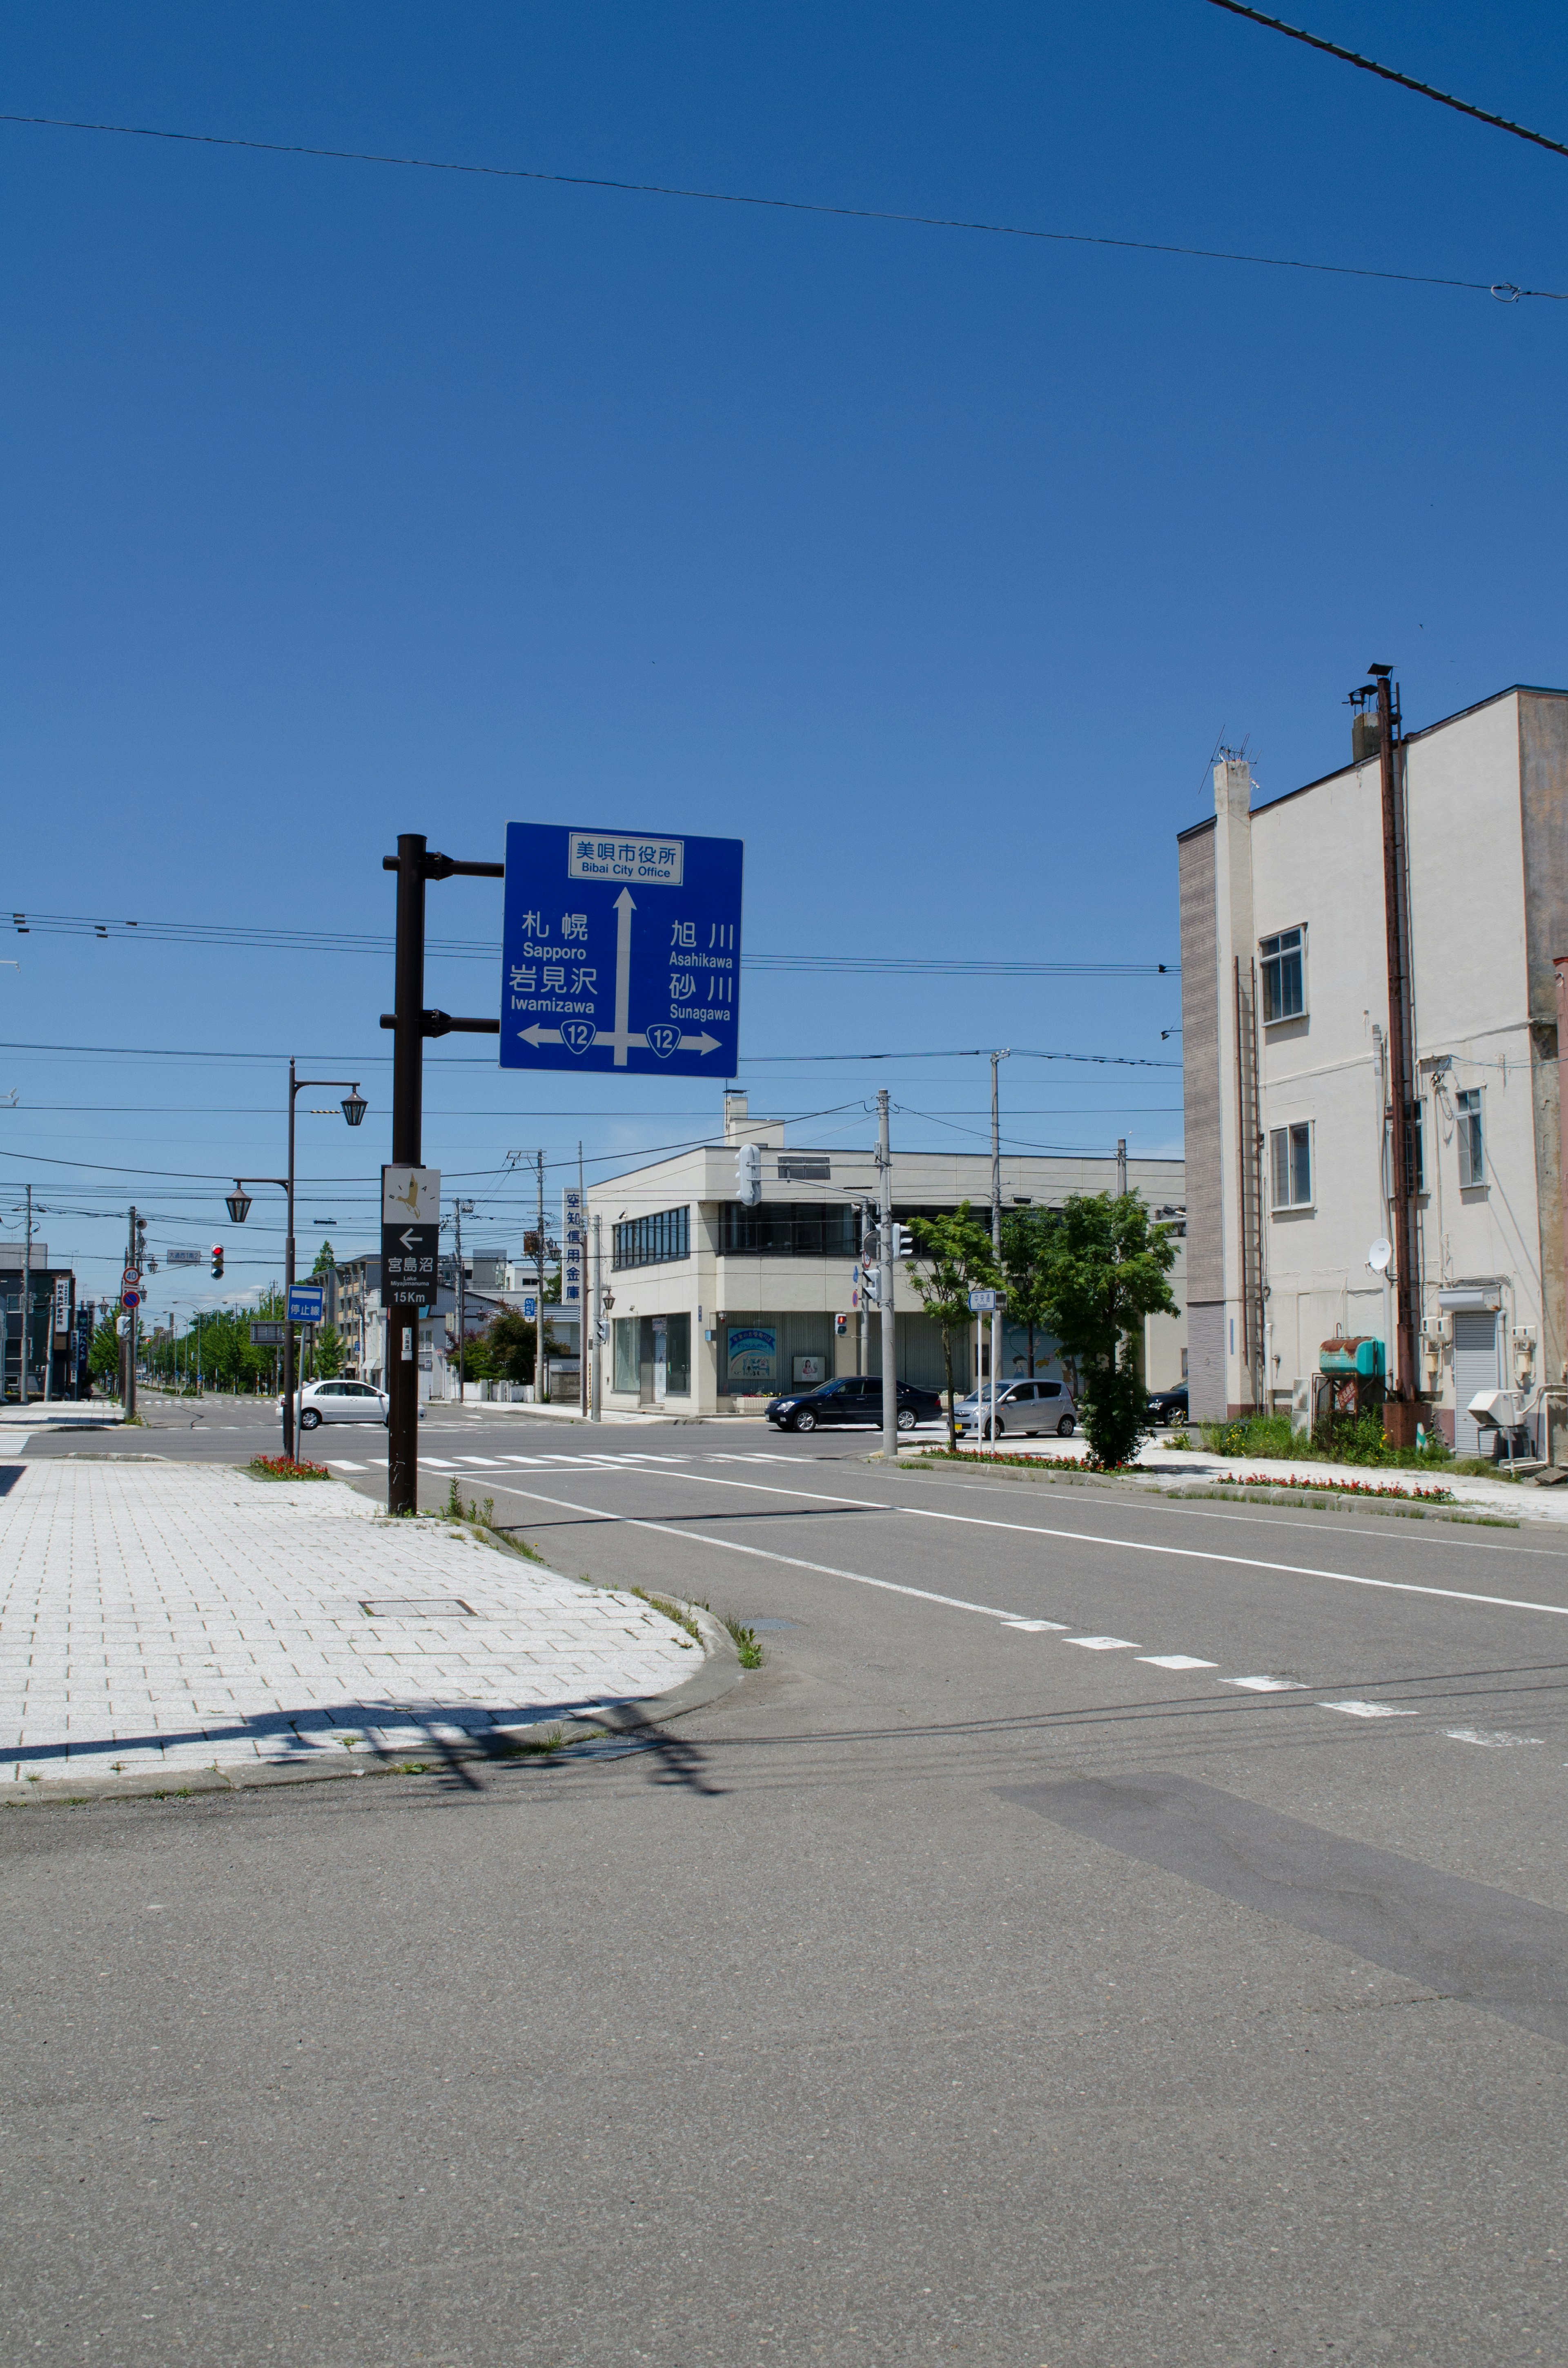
(902, 1242)
(748, 1174)
(217, 1262)
(872, 1286)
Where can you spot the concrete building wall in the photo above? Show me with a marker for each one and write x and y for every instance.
(807, 1303)
(1487, 802)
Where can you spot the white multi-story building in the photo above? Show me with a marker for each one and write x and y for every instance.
(716, 1305)
(1286, 1052)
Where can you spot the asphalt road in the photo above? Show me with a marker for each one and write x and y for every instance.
(995, 1977)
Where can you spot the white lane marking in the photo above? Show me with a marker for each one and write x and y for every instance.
(1492, 1742)
(1176, 1661)
(1266, 1685)
(1103, 1643)
(341, 1464)
(795, 1562)
(485, 1463)
(1033, 1627)
(1134, 1545)
(1369, 1710)
(436, 1463)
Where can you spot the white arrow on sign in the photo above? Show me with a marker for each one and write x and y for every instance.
(410, 1239)
(536, 1036)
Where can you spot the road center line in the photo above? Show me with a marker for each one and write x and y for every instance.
(1089, 1538)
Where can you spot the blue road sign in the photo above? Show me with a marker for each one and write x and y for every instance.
(621, 950)
(305, 1301)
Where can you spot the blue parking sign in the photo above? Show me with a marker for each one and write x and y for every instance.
(620, 951)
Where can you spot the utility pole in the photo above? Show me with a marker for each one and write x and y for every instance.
(1401, 1039)
(457, 1207)
(132, 1260)
(582, 1309)
(595, 1401)
(1121, 1168)
(995, 1218)
(541, 1378)
(884, 1282)
(27, 1285)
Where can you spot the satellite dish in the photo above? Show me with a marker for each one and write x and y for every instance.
(1379, 1254)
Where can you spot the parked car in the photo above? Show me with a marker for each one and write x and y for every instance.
(1168, 1406)
(339, 1402)
(1027, 1407)
(858, 1398)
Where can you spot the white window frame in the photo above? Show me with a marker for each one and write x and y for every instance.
(1470, 1133)
(1290, 1139)
(1273, 950)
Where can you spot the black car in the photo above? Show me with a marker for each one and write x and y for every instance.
(856, 1399)
(1168, 1406)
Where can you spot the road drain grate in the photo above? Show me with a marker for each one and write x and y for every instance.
(422, 1607)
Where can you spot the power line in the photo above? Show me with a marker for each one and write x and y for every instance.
(1405, 82)
(338, 941)
(804, 205)
(968, 1053)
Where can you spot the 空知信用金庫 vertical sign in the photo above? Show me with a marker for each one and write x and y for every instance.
(571, 1247)
(410, 1222)
(621, 950)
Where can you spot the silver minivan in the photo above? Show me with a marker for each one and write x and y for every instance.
(1027, 1407)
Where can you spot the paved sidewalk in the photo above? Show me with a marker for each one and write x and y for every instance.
(164, 1617)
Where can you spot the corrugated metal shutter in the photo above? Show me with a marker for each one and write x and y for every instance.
(1475, 1368)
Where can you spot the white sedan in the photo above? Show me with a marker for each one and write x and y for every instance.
(339, 1402)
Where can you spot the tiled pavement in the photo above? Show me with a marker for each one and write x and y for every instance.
(182, 1616)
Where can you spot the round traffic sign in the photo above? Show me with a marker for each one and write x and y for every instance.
(130, 1299)
(130, 1277)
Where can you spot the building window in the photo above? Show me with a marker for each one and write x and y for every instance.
(1473, 1140)
(658, 1240)
(1291, 1157)
(1284, 958)
(637, 1339)
(789, 1229)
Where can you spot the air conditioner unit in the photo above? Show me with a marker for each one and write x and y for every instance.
(1494, 1409)
(1435, 1330)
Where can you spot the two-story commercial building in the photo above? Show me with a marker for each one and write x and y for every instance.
(1294, 1233)
(714, 1305)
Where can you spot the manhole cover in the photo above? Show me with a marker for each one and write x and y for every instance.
(422, 1606)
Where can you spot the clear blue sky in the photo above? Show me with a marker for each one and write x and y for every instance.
(342, 500)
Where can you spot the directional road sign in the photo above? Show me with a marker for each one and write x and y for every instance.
(306, 1301)
(620, 951)
(411, 1213)
(182, 1257)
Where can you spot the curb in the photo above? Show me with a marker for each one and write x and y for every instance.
(1471, 1513)
(719, 1673)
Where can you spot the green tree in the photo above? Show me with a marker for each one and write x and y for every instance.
(1027, 1236)
(103, 1357)
(955, 1257)
(1107, 1270)
(326, 1259)
(329, 1352)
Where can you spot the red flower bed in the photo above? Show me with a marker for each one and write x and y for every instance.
(284, 1467)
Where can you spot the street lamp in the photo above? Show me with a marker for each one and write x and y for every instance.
(353, 1108)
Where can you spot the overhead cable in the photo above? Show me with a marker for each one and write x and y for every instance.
(1405, 82)
(783, 205)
